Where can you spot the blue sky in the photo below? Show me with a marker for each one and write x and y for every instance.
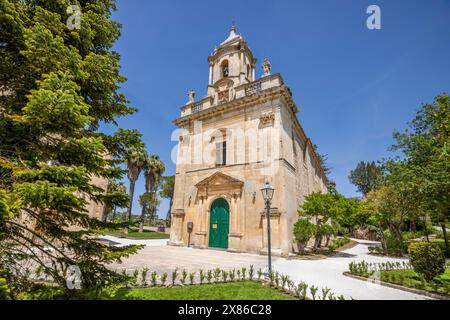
(354, 86)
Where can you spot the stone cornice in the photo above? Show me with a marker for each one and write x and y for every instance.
(271, 93)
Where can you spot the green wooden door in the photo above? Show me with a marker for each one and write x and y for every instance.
(219, 224)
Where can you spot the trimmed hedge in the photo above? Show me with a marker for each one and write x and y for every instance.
(427, 259)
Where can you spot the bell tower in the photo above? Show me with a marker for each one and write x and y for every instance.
(230, 65)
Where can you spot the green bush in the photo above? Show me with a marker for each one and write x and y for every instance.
(337, 243)
(441, 244)
(4, 290)
(303, 231)
(427, 259)
(394, 246)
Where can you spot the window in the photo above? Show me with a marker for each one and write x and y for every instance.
(225, 69)
(221, 153)
(248, 71)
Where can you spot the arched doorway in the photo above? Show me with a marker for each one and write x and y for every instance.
(219, 224)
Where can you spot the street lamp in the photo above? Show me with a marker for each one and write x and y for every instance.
(267, 193)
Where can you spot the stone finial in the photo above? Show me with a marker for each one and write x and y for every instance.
(266, 67)
(191, 95)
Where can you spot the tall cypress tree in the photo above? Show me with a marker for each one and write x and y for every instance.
(57, 86)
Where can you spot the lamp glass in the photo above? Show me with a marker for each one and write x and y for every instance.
(267, 192)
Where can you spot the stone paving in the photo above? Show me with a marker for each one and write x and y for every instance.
(159, 257)
(166, 258)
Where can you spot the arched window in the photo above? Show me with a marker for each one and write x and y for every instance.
(248, 71)
(224, 68)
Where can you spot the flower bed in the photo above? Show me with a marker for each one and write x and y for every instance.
(276, 281)
(403, 276)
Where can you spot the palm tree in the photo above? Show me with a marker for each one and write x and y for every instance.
(136, 160)
(153, 169)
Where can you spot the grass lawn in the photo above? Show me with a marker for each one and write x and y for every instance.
(245, 290)
(134, 234)
(409, 278)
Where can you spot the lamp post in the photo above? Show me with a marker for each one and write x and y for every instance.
(267, 192)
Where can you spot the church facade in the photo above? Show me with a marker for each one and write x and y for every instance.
(243, 133)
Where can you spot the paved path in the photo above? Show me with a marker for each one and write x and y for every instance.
(120, 242)
(328, 273)
(321, 273)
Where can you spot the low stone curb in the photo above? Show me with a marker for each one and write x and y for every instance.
(399, 287)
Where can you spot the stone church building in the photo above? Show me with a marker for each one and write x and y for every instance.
(243, 133)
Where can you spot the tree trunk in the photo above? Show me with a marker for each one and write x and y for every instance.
(396, 231)
(444, 232)
(412, 226)
(301, 248)
(106, 211)
(114, 214)
(169, 215)
(130, 207)
(383, 241)
(328, 241)
(318, 238)
(141, 223)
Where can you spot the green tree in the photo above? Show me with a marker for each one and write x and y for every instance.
(303, 231)
(389, 207)
(57, 86)
(149, 202)
(167, 191)
(426, 163)
(153, 169)
(321, 208)
(365, 176)
(136, 160)
(330, 208)
(116, 198)
(323, 159)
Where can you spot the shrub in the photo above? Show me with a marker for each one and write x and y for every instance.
(184, 275)
(303, 231)
(216, 274)
(337, 243)
(224, 275)
(4, 290)
(174, 276)
(202, 276)
(244, 272)
(441, 244)
(313, 291)
(393, 245)
(327, 231)
(154, 278)
(164, 278)
(209, 276)
(427, 259)
(260, 273)
(191, 277)
(144, 273)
